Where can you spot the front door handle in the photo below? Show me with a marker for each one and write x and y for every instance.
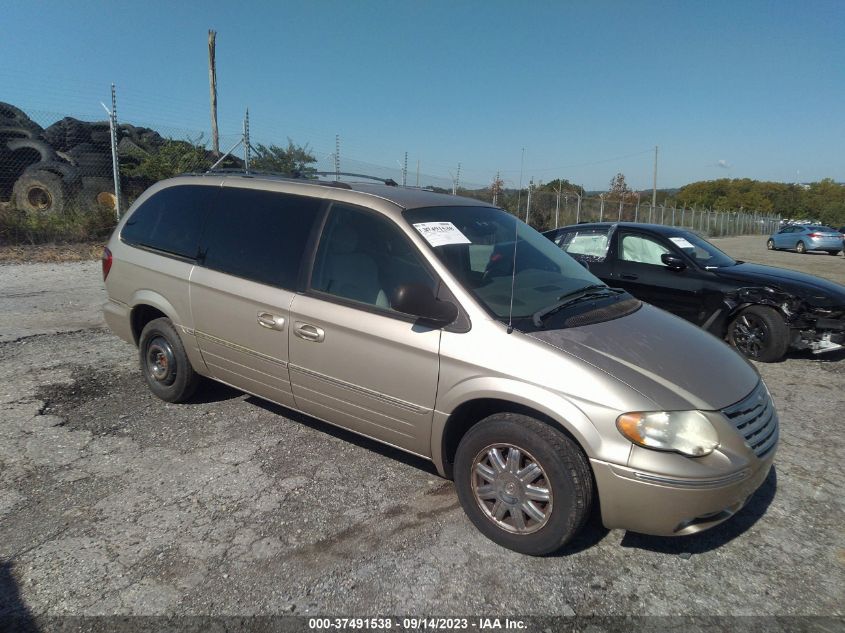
(271, 321)
(630, 277)
(308, 332)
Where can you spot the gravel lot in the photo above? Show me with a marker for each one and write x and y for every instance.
(114, 502)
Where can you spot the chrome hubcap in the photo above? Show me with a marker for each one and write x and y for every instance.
(160, 362)
(749, 335)
(511, 488)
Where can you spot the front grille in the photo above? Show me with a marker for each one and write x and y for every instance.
(756, 420)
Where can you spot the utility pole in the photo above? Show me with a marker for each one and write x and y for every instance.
(337, 156)
(521, 171)
(405, 171)
(418, 173)
(528, 204)
(654, 186)
(458, 179)
(246, 142)
(557, 204)
(212, 80)
(496, 189)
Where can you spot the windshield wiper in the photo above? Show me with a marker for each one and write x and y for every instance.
(570, 298)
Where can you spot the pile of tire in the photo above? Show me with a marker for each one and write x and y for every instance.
(43, 169)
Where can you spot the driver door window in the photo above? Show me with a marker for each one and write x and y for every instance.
(641, 249)
(363, 258)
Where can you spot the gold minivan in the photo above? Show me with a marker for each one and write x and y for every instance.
(447, 328)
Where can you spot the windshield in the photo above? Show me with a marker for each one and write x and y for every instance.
(702, 251)
(477, 245)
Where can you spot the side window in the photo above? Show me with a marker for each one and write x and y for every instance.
(171, 220)
(259, 235)
(641, 249)
(365, 257)
(588, 242)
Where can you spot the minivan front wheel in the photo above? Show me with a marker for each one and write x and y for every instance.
(164, 363)
(523, 484)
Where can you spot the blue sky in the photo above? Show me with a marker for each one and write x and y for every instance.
(739, 89)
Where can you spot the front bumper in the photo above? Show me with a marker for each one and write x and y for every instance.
(651, 504)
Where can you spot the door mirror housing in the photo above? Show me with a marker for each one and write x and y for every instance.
(672, 262)
(418, 300)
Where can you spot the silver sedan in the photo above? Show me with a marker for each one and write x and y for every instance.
(806, 237)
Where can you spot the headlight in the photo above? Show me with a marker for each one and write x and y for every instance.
(685, 432)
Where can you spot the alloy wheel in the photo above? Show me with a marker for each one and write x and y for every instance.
(511, 488)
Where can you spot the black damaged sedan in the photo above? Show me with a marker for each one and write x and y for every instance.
(761, 310)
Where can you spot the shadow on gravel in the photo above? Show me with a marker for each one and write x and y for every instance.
(714, 537)
(347, 436)
(212, 391)
(14, 615)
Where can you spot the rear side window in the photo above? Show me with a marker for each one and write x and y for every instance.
(587, 242)
(259, 235)
(170, 220)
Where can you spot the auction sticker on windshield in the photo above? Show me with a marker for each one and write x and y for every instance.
(682, 242)
(441, 233)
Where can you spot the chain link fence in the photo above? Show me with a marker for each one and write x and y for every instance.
(57, 180)
(546, 210)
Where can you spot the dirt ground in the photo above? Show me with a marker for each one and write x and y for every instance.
(114, 502)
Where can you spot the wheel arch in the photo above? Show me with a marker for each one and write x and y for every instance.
(450, 428)
(147, 306)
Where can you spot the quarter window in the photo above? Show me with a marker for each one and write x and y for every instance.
(259, 235)
(170, 220)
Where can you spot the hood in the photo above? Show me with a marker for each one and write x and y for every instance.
(666, 359)
(816, 290)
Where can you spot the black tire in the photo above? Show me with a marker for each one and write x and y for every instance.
(801, 247)
(833, 252)
(46, 152)
(10, 115)
(759, 333)
(92, 163)
(771, 245)
(68, 173)
(97, 191)
(11, 132)
(563, 471)
(40, 193)
(68, 133)
(164, 363)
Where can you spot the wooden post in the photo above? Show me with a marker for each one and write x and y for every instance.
(212, 80)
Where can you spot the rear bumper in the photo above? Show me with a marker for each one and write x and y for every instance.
(831, 244)
(650, 504)
(117, 316)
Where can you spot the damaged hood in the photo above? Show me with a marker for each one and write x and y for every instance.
(818, 291)
(666, 359)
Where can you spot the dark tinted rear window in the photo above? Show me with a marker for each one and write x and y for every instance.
(259, 235)
(170, 220)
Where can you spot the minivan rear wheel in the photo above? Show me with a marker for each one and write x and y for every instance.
(524, 484)
(164, 363)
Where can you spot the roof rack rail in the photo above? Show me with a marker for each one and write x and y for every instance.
(293, 175)
(387, 181)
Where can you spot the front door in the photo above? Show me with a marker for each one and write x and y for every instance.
(639, 270)
(354, 361)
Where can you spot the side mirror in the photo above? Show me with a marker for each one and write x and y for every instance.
(418, 300)
(672, 262)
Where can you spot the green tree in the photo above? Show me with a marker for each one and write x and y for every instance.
(619, 189)
(170, 159)
(287, 160)
(563, 185)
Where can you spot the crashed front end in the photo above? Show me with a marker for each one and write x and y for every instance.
(813, 327)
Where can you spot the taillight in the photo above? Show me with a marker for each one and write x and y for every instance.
(106, 262)
(815, 236)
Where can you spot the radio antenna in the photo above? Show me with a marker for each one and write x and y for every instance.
(513, 271)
